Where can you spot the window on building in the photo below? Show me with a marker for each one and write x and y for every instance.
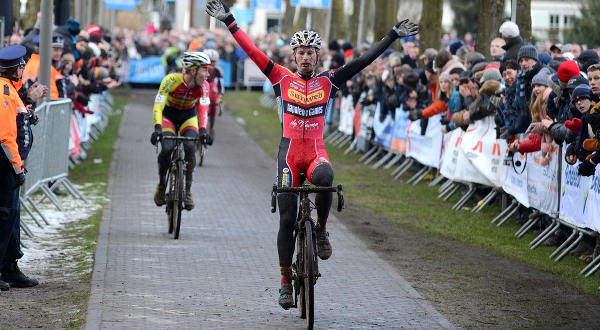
(568, 22)
(554, 21)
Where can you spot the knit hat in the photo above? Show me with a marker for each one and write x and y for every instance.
(509, 30)
(347, 45)
(491, 74)
(541, 78)
(527, 51)
(73, 26)
(588, 55)
(67, 57)
(567, 70)
(580, 91)
(100, 72)
(545, 58)
(87, 54)
(445, 76)
(334, 45)
(455, 46)
(479, 66)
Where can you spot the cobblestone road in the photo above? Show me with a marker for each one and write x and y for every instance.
(222, 273)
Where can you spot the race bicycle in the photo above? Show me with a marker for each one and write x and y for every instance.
(305, 270)
(176, 184)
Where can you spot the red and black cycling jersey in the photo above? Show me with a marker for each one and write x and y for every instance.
(303, 101)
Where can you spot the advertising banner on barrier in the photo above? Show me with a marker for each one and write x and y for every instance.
(451, 154)
(542, 181)
(572, 190)
(346, 125)
(383, 129)
(591, 201)
(399, 138)
(426, 149)
(252, 74)
(484, 151)
(148, 70)
(516, 179)
(365, 131)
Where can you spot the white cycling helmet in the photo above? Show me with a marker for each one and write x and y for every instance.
(213, 55)
(194, 59)
(307, 39)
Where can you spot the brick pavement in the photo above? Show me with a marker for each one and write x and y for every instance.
(223, 273)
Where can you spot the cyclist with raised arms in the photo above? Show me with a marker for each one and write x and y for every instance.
(303, 98)
(175, 111)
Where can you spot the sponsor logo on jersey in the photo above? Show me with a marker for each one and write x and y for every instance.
(286, 170)
(306, 99)
(311, 112)
(316, 84)
(307, 125)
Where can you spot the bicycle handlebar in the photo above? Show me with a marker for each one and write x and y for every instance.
(182, 138)
(307, 189)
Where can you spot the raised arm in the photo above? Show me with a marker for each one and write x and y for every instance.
(220, 11)
(402, 29)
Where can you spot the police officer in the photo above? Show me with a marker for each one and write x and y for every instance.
(15, 143)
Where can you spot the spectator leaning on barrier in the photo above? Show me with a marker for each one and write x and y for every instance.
(15, 143)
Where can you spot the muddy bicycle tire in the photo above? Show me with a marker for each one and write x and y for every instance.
(178, 200)
(309, 275)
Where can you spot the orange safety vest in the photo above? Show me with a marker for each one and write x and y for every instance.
(11, 107)
(32, 68)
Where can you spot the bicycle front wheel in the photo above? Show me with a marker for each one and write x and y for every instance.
(178, 199)
(169, 198)
(309, 275)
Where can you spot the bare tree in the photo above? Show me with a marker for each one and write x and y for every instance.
(31, 10)
(490, 19)
(338, 21)
(386, 15)
(431, 24)
(524, 18)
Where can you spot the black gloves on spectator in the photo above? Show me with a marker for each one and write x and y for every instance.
(156, 135)
(415, 115)
(504, 134)
(570, 152)
(19, 179)
(586, 168)
(205, 136)
(33, 117)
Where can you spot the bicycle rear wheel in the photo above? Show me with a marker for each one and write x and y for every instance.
(178, 199)
(309, 275)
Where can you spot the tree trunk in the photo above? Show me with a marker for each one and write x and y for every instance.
(490, 18)
(338, 21)
(386, 14)
(352, 33)
(430, 26)
(31, 10)
(524, 18)
(289, 28)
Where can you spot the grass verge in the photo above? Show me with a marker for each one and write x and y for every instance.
(83, 235)
(413, 206)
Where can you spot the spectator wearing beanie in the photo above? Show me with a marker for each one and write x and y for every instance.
(348, 49)
(566, 71)
(587, 58)
(511, 35)
(545, 58)
(540, 84)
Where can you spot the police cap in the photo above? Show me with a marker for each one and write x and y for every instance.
(12, 56)
(57, 41)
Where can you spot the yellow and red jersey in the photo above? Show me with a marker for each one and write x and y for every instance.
(174, 93)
